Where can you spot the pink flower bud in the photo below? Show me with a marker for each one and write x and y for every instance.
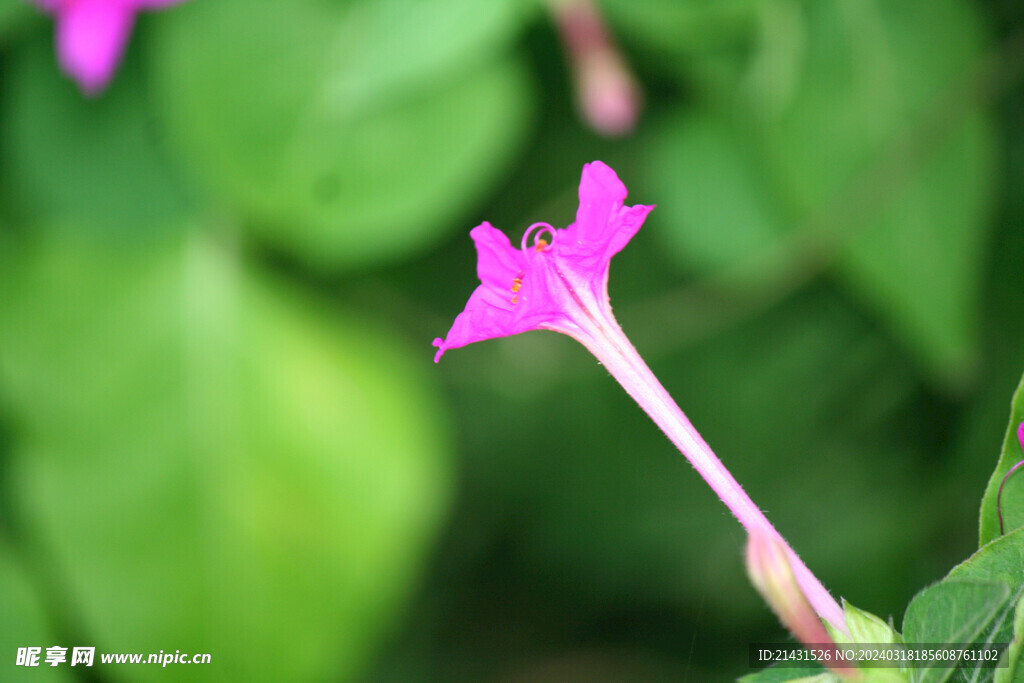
(608, 94)
(769, 569)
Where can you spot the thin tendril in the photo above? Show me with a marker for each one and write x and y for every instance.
(999, 496)
(543, 227)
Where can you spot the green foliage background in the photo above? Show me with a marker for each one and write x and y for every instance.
(220, 427)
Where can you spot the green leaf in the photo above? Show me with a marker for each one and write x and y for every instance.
(973, 604)
(865, 167)
(722, 46)
(919, 263)
(1014, 671)
(952, 611)
(215, 462)
(721, 209)
(24, 622)
(686, 28)
(13, 14)
(1012, 500)
(92, 160)
(374, 130)
(867, 628)
(999, 561)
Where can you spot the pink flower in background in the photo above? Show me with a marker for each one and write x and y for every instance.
(92, 36)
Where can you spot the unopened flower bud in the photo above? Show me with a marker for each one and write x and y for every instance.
(769, 569)
(607, 92)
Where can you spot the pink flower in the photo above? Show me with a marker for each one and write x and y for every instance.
(556, 283)
(561, 284)
(92, 36)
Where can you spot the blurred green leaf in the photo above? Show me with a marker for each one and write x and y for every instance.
(920, 263)
(718, 208)
(10, 8)
(92, 161)
(24, 622)
(13, 14)
(705, 40)
(215, 463)
(683, 27)
(878, 162)
(720, 48)
(874, 75)
(373, 128)
(1013, 492)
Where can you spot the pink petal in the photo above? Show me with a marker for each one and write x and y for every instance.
(489, 312)
(603, 225)
(513, 296)
(601, 196)
(487, 315)
(498, 263)
(1020, 435)
(514, 280)
(91, 37)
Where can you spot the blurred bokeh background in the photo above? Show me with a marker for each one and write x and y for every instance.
(220, 427)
